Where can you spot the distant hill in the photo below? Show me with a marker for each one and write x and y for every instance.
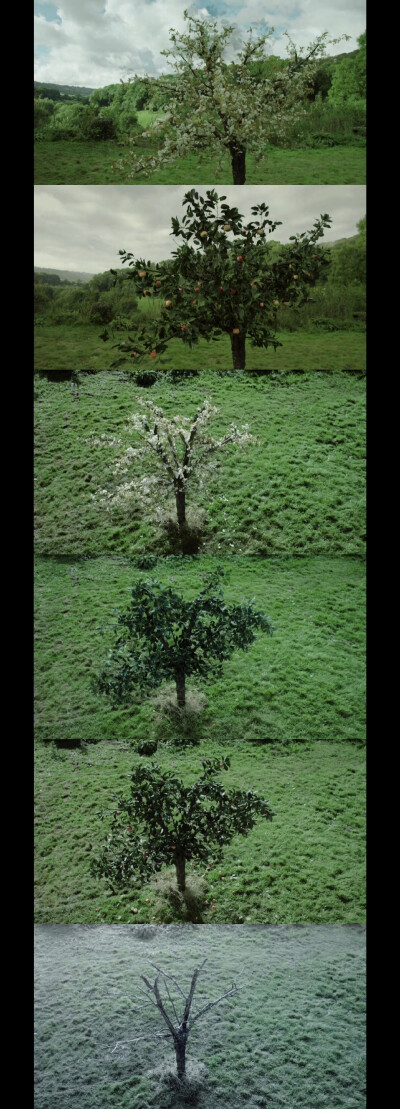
(64, 90)
(66, 275)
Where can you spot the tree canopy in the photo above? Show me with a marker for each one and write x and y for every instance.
(165, 822)
(223, 277)
(162, 636)
(220, 108)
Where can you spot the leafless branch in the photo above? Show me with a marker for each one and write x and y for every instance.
(235, 989)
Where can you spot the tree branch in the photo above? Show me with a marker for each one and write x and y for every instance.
(235, 989)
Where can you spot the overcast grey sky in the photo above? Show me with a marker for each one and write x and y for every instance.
(96, 42)
(82, 227)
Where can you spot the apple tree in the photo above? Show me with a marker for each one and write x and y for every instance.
(222, 279)
(161, 636)
(165, 822)
(181, 451)
(216, 108)
(178, 1016)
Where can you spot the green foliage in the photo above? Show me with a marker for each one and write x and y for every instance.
(224, 278)
(329, 125)
(99, 301)
(43, 110)
(308, 863)
(162, 635)
(349, 80)
(166, 822)
(97, 127)
(349, 260)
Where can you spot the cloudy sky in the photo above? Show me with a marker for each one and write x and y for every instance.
(96, 42)
(82, 227)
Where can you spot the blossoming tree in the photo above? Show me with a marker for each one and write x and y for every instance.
(181, 451)
(218, 108)
(222, 279)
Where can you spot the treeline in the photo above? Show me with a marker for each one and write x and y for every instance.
(336, 108)
(99, 301)
(338, 301)
(109, 113)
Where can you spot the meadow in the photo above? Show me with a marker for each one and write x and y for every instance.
(306, 864)
(69, 346)
(294, 1034)
(285, 519)
(98, 163)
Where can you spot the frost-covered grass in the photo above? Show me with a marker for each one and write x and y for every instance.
(293, 1036)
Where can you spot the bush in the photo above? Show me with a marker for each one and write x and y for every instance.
(145, 378)
(61, 134)
(146, 747)
(98, 129)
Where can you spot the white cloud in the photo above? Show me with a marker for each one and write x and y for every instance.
(83, 227)
(99, 41)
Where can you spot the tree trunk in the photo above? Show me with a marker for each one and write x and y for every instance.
(180, 867)
(238, 162)
(180, 682)
(180, 500)
(180, 1053)
(238, 345)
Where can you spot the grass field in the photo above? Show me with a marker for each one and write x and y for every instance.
(293, 1037)
(306, 682)
(305, 865)
(61, 347)
(91, 163)
(286, 520)
(298, 491)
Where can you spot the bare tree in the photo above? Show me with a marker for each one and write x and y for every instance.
(176, 1010)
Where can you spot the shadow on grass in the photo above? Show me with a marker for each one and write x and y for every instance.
(183, 727)
(173, 906)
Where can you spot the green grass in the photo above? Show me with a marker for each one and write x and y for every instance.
(306, 682)
(60, 347)
(90, 163)
(305, 865)
(298, 491)
(286, 519)
(293, 1037)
